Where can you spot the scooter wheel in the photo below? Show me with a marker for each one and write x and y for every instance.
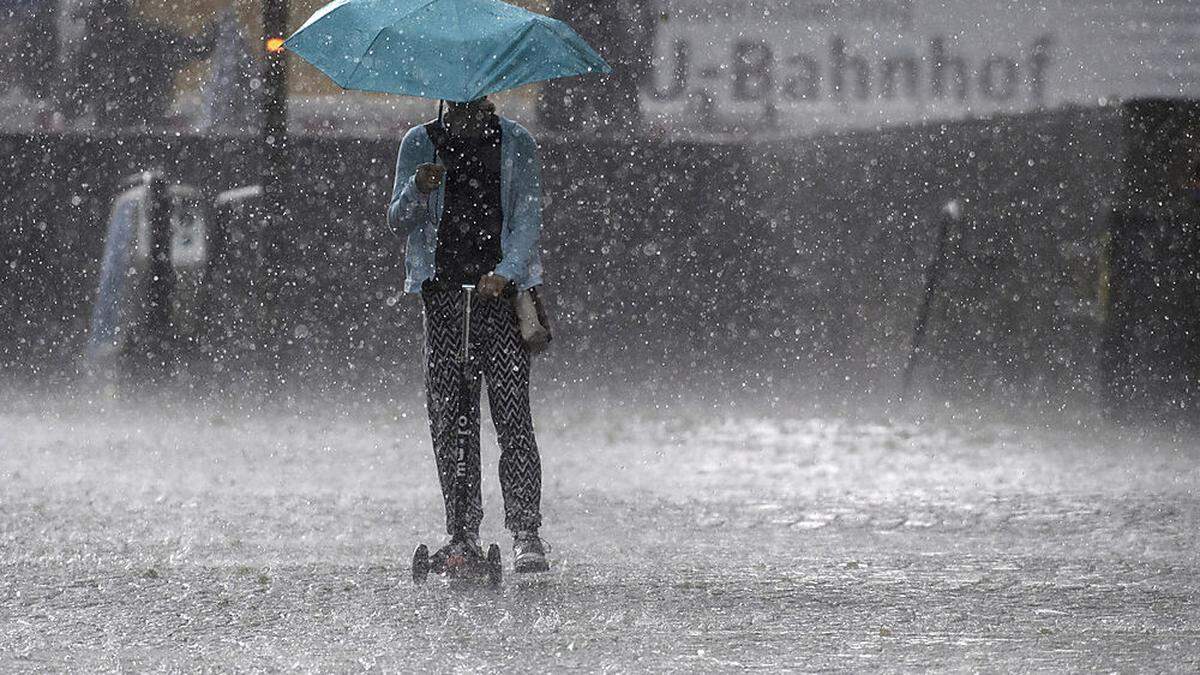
(495, 567)
(420, 564)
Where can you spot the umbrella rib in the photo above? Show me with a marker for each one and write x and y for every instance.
(585, 51)
(483, 78)
(371, 45)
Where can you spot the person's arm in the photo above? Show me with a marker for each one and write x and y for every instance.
(403, 212)
(525, 223)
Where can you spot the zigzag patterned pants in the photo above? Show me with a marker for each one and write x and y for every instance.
(497, 355)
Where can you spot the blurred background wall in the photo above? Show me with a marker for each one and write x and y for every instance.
(750, 203)
(725, 265)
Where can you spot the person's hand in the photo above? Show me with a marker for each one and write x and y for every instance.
(429, 177)
(492, 285)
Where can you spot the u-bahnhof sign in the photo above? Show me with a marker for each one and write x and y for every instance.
(794, 66)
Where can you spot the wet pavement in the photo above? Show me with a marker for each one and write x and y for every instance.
(172, 537)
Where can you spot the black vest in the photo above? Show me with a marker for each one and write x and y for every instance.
(468, 241)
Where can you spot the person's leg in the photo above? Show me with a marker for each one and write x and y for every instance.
(453, 411)
(506, 366)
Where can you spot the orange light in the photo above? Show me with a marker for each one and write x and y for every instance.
(275, 45)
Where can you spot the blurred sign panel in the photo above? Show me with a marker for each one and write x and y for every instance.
(793, 66)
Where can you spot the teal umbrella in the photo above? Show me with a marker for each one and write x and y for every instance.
(457, 50)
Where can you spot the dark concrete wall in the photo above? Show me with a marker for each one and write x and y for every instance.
(783, 266)
(1150, 346)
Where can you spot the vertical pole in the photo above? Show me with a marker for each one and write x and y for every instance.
(274, 132)
(275, 175)
(951, 212)
(159, 325)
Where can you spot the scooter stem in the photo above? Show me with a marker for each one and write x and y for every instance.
(468, 292)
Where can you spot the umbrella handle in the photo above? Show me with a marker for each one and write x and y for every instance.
(441, 123)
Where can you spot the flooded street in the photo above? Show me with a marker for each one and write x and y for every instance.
(685, 538)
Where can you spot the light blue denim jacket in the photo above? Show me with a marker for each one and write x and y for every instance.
(416, 216)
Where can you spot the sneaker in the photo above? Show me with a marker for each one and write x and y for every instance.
(529, 552)
(461, 547)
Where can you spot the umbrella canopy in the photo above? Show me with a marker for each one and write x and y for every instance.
(458, 50)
